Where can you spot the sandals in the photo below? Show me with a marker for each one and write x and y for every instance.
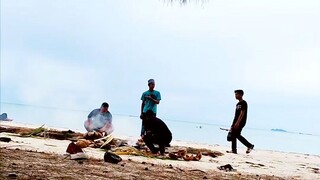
(231, 152)
(249, 149)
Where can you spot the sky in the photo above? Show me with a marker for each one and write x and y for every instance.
(73, 55)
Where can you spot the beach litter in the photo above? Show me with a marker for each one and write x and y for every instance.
(75, 152)
(112, 157)
(83, 143)
(226, 168)
(182, 154)
(5, 139)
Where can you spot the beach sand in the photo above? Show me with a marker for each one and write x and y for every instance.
(44, 158)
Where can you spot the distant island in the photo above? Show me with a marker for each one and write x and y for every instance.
(282, 130)
(279, 130)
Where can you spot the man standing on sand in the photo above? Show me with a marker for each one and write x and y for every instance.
(238, 123)
(150, 100)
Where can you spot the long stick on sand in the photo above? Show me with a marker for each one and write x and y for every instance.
(106, 137)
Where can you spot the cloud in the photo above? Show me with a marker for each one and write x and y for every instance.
(297, 72)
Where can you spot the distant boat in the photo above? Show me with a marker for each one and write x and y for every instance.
(279, 130)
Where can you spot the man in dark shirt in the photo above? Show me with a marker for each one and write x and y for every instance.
(238, 123)
(157, 132)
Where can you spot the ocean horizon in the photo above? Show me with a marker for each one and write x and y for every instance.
(194, 132)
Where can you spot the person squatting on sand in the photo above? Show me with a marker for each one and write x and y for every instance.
(150, 99)
(238, 123)
(157, 132)
(100, 120)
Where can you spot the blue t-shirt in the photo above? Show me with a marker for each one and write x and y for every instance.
(100, 119)
(149, 104)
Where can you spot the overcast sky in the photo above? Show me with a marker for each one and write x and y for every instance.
(76, 54)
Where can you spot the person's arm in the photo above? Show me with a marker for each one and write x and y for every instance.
(154, 100)
(236, 125)
(142, 106)
(107, 128)
(143, 98)
(89, 120)
(88, 125)
(90, 115)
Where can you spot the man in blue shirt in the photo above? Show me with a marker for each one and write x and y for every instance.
(100, 120)
(150, 99)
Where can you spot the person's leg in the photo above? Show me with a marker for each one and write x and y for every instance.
(142, 133)
(234, 136)
(162, 148)
(148, 139)
(244, 141)
(168, 140)
(162, 141)
(234, 145)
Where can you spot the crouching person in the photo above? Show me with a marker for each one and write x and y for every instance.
(100, 120)
(157, 132)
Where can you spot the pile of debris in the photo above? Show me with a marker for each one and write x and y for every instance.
(113, 146)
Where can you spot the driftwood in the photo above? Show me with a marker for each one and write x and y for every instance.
(42, 132)
(120, 147)
(191, 150)
(206, 152)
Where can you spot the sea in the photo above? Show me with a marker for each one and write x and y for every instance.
(130, 126)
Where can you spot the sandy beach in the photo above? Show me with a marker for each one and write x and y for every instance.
(259, 164)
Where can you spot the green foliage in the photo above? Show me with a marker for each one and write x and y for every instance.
(37, 131)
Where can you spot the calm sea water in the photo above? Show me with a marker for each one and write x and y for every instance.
(191, 132)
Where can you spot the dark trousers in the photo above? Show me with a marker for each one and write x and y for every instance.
(143, 131)
(236, 134)
(151, 139)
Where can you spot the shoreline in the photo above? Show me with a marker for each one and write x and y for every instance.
(258, 162)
